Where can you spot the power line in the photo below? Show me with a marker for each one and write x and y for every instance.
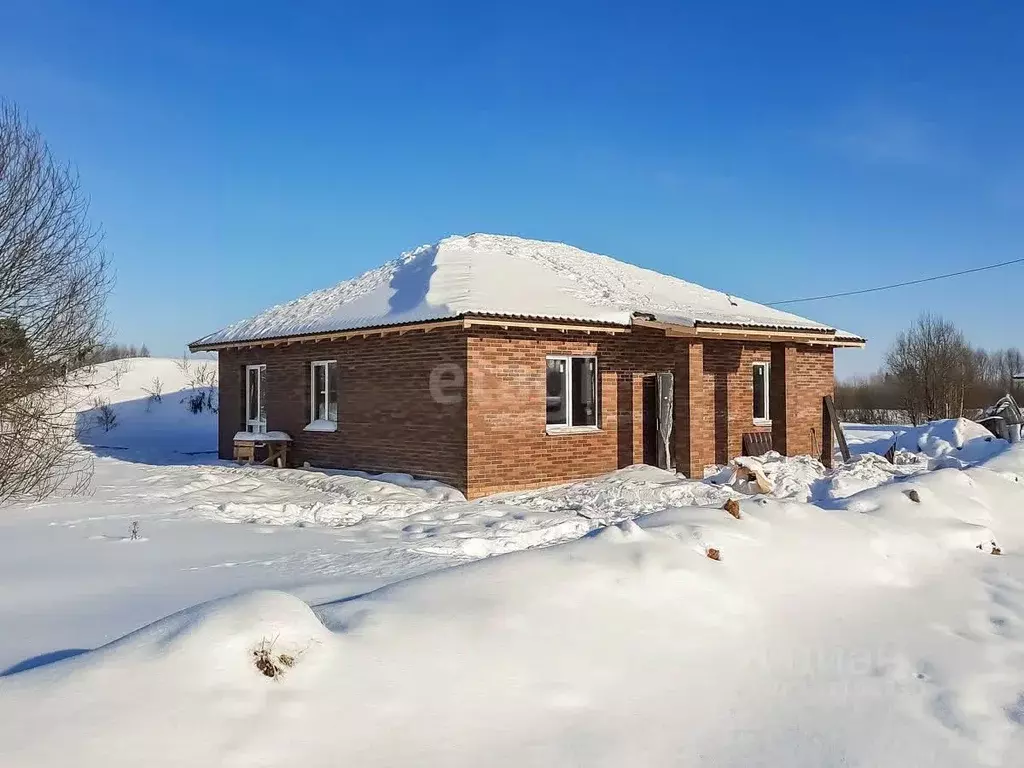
(896, 285)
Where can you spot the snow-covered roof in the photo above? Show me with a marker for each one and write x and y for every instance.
(509, 277)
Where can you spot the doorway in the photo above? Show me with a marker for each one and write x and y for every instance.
(650, 421)
(657, 420)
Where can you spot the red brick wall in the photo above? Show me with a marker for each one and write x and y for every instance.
(509, 446)
(729, 375)
(388, 420)
(508, 443)
(801, 376)
(494, 437)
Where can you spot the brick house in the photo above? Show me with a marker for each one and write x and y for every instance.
(495, 363)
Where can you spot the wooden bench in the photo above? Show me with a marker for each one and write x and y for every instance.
(245, 451)
(276, 443)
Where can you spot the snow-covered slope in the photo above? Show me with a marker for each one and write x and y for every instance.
(146, 424)
(858, 616)
(884, 633)
(510, 276)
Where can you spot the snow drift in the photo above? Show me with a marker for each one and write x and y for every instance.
(792, 649)
(962, 439)
(854, 616)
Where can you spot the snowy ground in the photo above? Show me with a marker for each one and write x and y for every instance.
(845, 623)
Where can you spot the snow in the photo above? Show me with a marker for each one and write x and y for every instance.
(945, 442)
(255, 437)
(321, 425)
(508, 276)
(805, 479)
(959, 438)
(156, 431)
(855, 616)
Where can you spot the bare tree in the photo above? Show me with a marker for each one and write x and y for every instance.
(874, 399)
(934, 368)
(54, 281)
(104, 414)
(156, 390)
(105, 353)
(201, 379)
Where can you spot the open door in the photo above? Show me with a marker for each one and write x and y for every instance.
(666, 419)
(657, 420)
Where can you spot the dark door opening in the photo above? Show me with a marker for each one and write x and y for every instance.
(650, 421)
(658, 418)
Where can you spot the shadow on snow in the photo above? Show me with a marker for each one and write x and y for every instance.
(42, 660)
(150, 432)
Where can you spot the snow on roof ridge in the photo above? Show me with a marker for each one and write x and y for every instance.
(484, 273)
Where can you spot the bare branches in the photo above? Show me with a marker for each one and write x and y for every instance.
(925, 376)
(155, 390)
(934, 366)
(54, 281)
(105, 414)
(932, 372)
(201, 379)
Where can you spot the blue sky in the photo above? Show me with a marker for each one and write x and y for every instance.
(241, 154)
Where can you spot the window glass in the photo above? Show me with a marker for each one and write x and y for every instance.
(556, 400)
(319, 391)
(263, 394)
(760, 391)
(256, 398)
(332, 392)
(324, 391)
(253, 397)
(584, 392)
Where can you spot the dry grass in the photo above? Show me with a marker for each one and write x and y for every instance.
(996, 549)
(269, 662)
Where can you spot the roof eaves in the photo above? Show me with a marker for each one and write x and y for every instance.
(210, 342)
(542, 318)
(762, 325)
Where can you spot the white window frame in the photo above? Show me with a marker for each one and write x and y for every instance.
(257, 424)
(567, 425)
(327, 389)
(767, 418)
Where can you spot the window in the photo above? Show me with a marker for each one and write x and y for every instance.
(255, 398)
(324, 392)
(762, 377)
(572, 391)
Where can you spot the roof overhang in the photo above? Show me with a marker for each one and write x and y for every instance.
(699, 329)
(736, 332)
(464, 321)
(277, 341)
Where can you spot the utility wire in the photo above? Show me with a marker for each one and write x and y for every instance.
(897, 285)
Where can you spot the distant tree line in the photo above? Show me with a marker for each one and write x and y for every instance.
(930, 372)
(104, 353)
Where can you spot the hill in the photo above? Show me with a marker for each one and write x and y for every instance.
(149, 408)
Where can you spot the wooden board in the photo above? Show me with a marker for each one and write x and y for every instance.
(244, 451)
(830, 409)
(756, 443)
(666, 406)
